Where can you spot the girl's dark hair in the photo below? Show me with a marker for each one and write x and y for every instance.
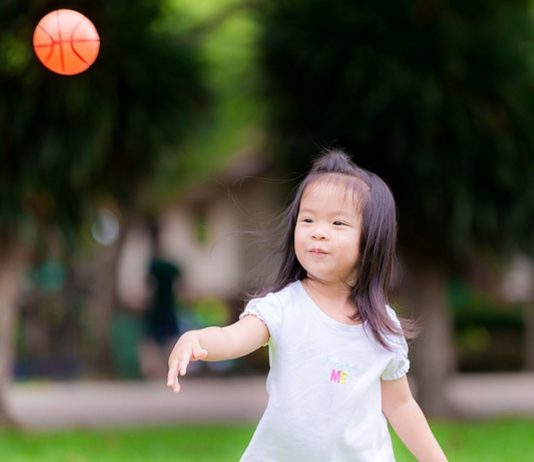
(377, 244)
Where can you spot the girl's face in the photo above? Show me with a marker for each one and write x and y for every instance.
(327, 232)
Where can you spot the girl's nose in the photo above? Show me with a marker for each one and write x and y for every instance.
(318, 233)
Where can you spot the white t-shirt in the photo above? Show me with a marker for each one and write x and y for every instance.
(323, 384)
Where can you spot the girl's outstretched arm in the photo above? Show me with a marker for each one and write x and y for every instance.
(215, 344)
(408, 421)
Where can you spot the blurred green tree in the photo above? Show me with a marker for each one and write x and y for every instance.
(68, 142)
(438, 99)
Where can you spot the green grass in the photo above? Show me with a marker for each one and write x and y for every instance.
(503, 440)
(490, 441)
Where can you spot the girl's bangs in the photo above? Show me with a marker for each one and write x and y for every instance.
(352, 186)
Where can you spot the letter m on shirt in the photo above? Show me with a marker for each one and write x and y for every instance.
(335, 376)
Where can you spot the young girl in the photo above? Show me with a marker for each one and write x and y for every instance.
(338, 356)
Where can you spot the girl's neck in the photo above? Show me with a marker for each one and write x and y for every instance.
(331, 298)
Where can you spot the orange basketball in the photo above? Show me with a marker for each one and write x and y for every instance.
(66, 42)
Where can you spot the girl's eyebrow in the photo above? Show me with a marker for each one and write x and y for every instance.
(334, 212)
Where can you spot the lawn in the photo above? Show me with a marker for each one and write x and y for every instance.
(494, 441)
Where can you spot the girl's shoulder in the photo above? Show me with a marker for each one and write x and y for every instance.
(290, 290)
(273, 307)
(275, 301)
(396, 340)
(392, 313)
(284, 294)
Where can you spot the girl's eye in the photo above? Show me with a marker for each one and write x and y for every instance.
(338, 223)
(307, 220)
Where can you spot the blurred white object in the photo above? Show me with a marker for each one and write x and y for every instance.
(105, 230)
(518, 282)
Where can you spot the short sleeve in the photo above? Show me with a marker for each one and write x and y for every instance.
(267, 309)
(399, 364)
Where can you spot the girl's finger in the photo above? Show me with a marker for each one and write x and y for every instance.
(173, 369)
(183, 363)
(172, 376)
(199, 353)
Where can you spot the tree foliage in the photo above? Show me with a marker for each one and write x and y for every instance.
(436, 97)
(65, 141)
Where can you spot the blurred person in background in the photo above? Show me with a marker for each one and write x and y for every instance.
(161, 324)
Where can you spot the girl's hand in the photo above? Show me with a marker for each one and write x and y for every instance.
(230, 342)
(187, 349)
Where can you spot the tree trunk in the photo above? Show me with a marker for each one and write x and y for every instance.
(529, 336)
(103, 300)
(100, 308)
(12, 265)
(433, 357)
(517, 286)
